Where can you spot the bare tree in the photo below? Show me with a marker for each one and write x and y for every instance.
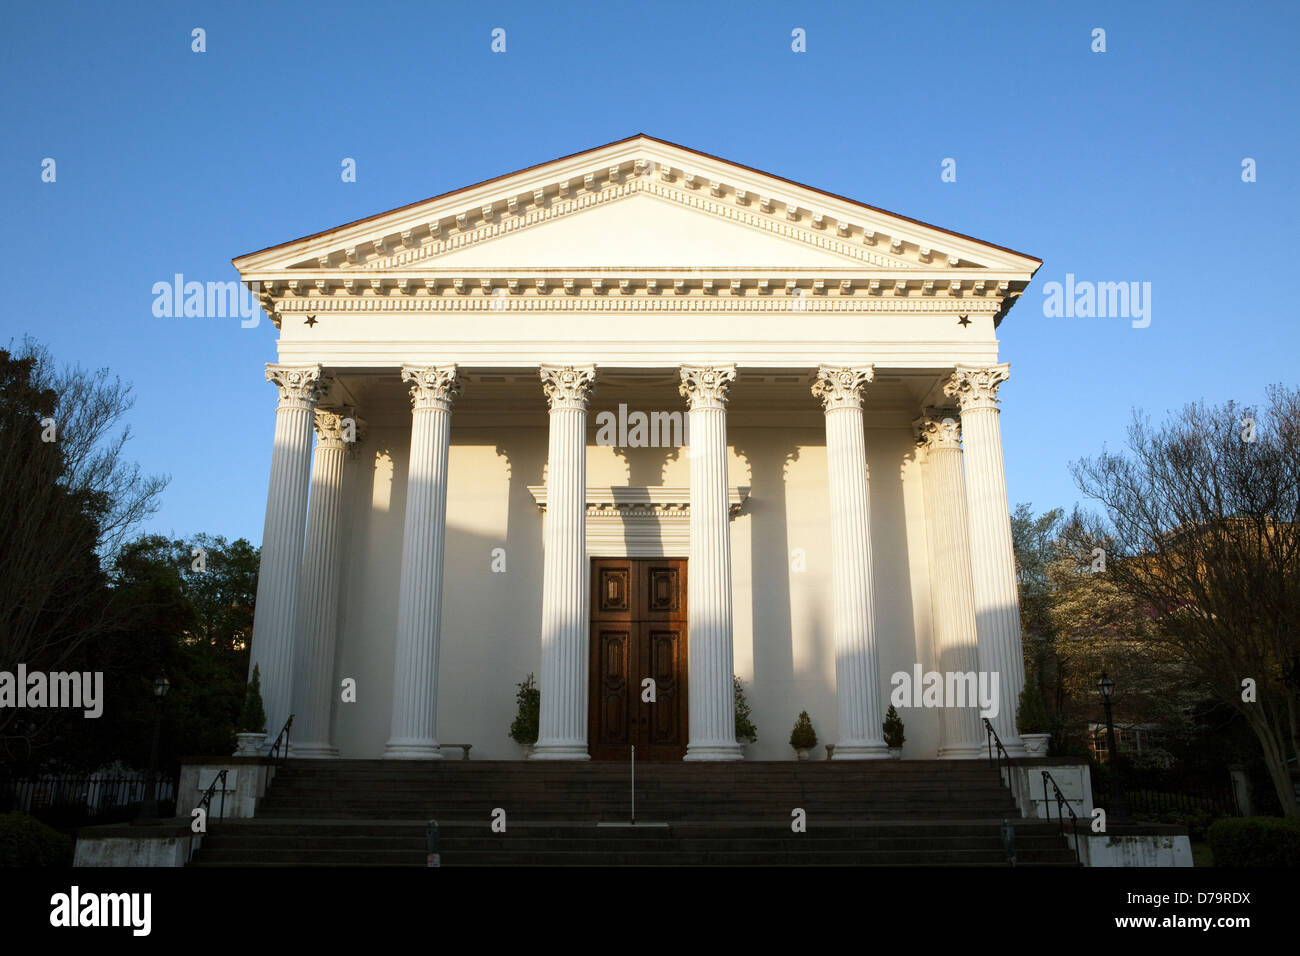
(1204, 522)
(67, 499)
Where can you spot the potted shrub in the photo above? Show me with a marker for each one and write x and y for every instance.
(1032, 721)
(523, 730)
(893, 728)
(746, 732)
(252, 719)
(803, 738)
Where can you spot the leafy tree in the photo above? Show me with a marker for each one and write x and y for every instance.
(67, 499)
(1203, 518)
(1034, 542)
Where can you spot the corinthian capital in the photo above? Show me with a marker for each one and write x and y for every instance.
(976, 386)
(299, 385)
(840, 386)
(568, 386)
(433, 386)
(706, 386)
(338, 428)
(939, 429)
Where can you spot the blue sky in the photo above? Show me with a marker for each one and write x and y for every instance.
(1115, 166)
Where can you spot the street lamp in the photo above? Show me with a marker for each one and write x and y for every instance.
(1119, 810)
(149, 812)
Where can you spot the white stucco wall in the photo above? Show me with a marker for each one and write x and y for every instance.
(490, 633)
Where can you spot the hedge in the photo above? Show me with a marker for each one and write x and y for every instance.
(1255, 841)
(27, 842)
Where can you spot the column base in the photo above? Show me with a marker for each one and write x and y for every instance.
(864, 750)
(966, 752)
(314, 751)
(412, 748)
(714, 752)
(559, 751)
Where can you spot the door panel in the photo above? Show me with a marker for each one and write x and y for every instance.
(638, 630)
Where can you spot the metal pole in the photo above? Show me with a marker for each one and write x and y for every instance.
(634, 784)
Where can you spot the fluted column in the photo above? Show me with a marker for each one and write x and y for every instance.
(708, 576)
(419, 602)
(993, 562)
(282, 536)
(562, 723)
(857, 682)
(313, 669)
(953, 635)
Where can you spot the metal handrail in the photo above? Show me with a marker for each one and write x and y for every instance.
(998, 755)
(991, 736)
(1060, 819)
(283, 737)
(205, 803)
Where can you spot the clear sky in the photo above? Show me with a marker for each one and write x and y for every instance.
(1117, 166)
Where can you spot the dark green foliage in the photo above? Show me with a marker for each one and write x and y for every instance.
(26, 842)
(523, 730)
(1031, 717)
(252, 717)
(893, 728)
(745, 729)
(803, 737)
(1255, 841)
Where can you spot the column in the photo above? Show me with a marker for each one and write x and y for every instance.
(314, 688)
(562, 723)
(993, 562)
(286, 519)
(952, 598)
(419, 602)
(857, 682)
(708, 575)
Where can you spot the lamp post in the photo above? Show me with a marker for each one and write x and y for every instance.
(149, 812)
(1119, 810)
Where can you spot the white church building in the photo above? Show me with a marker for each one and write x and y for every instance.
(635, 420)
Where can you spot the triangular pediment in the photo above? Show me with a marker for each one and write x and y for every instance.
(641, 204)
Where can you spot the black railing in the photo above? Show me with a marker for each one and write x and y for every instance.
(276, 756)
(205, 804)
(1061, 802)
(997, 753)
(72, 800)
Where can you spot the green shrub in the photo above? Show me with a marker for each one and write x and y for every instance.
(803, 737)
(1255, 841)
(252, 717)
(523, 730)
(1031, 718)
(745, 729)
(893, 728)
(27, 842)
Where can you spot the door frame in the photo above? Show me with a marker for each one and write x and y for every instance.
(639, 621)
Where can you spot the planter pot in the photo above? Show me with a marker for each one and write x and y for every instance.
(249, 745)
(896, 753)
(1036, 744)
(528, 750)
(801, 752)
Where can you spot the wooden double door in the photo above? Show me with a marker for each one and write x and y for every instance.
(638, 631)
